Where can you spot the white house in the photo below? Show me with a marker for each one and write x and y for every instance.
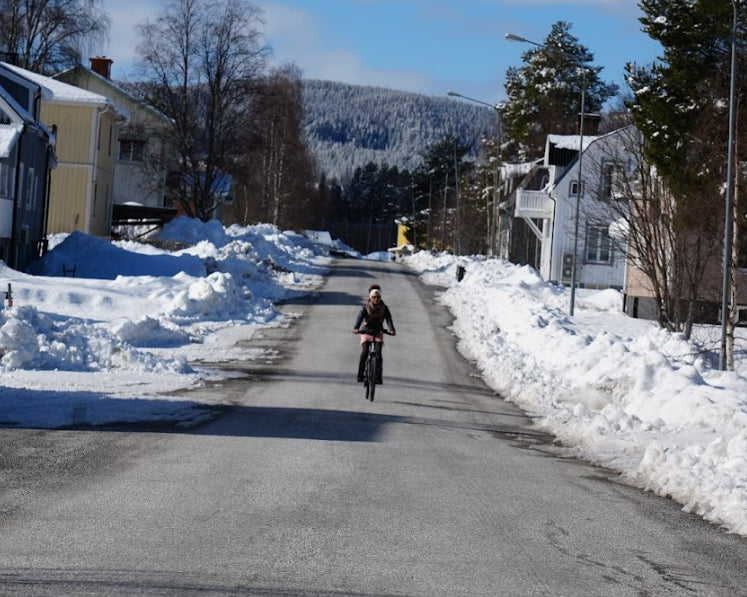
(548, 201)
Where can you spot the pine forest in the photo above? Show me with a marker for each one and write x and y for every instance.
(349, 126)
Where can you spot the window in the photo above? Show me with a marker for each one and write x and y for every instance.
(598, 245)
(6, 180)
(612, 180)
(131, 150)
(30, 190)
(574, 188)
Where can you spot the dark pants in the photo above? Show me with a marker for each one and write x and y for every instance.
(364, 356)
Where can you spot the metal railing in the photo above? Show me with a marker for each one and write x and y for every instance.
(533, 204)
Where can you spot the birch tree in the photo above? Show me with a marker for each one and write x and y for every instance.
(202, 59)
(46, 37)
(277, 172)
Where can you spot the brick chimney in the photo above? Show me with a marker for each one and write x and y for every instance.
(102, 66)
(591, 123)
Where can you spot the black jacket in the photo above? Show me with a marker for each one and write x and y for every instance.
(374, 326)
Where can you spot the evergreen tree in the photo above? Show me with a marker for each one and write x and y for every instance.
(544, 94)
(437, 198)
(377, 191)
(687, 87)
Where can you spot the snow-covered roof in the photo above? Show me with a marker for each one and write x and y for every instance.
(55, 91)
(570, 141)
(17, 115)
(116, 89)
(9, 134)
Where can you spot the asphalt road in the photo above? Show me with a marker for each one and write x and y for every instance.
(302, 487)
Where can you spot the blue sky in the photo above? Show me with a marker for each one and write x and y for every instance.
(425, 46)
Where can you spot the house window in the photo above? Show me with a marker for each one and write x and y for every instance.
(598, 245)
(131, 150)
(6, 181)
(30, 190)
(574, 188)
(612, 181)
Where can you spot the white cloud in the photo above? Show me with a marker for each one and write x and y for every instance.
(295, 36)
(123, 39)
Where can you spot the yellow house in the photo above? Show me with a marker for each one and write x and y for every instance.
(143, 155)
(404, 247)
(81, 187)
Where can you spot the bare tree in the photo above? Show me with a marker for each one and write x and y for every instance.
(671, 245)
(46, 37)
(278, 171)
(202, 60)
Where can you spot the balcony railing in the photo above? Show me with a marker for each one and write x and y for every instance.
(533, 204)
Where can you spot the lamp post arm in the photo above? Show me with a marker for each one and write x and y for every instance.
(512, 37)
(472, 99)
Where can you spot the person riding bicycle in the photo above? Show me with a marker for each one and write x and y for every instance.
(372, 316)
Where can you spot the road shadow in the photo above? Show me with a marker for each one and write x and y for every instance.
(28, 409)
(326, 297)
(94, 412)
(34, 409)
(402, 385)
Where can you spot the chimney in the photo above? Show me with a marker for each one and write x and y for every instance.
(591, 123)
(9, 57)
(102, 66)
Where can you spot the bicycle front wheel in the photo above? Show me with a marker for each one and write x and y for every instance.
(371, 378)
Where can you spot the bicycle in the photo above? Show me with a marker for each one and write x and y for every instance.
(372, 369)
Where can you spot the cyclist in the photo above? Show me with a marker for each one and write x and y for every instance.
(372, 316)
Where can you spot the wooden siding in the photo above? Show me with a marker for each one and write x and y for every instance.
(67, 198)
(101, 193)
(74, 131)
(133, 181)
(81, 185)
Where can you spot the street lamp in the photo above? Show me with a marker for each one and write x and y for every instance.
(579, 187)
(728, 216)
(492, 235)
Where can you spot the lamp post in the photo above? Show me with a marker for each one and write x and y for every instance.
(728, 216)
(492, 230)
(579, 185)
